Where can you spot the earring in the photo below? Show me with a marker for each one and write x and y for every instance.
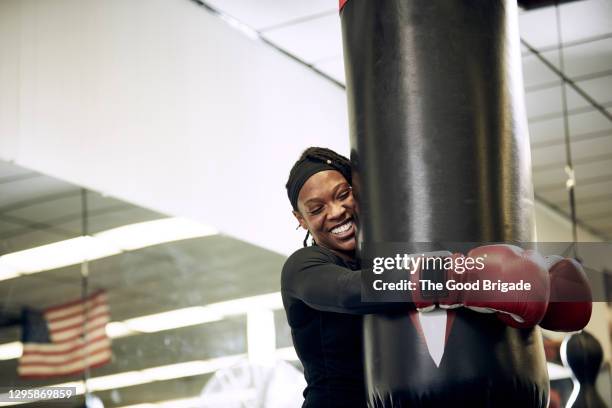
(298, 227)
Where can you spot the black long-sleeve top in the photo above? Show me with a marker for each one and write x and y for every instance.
(322, 298)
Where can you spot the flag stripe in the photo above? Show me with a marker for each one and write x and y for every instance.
(76, 338)
(65, 345)
(92, 332)
(56, 360)
(74, 302)
(56, 312)
(79, 324)
(53, 350)
(75, 310)
(76, 317)
(78, 332)
(73, 372)
(74, 368)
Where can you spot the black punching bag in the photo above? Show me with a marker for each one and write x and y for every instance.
(441, 152)
(583, 354)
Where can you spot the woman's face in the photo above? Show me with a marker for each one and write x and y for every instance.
(327, 209)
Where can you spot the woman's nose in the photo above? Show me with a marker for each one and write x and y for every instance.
(337, 210)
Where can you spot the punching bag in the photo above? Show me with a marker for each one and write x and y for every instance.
(583, 354)
(440, 148)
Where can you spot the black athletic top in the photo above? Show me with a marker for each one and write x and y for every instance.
(322, 298)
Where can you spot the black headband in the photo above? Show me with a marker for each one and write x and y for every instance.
(301, 173)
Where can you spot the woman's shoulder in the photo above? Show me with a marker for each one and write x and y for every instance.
(310, 254)
(303, 260)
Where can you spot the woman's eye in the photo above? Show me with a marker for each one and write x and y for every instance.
(316, 211)
(343, 195)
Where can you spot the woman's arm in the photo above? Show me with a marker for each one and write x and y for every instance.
(313, 277)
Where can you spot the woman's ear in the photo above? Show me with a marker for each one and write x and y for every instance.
(300, 219)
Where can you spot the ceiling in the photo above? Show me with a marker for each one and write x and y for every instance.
(310, 32)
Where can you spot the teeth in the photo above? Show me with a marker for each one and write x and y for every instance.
(342, 228)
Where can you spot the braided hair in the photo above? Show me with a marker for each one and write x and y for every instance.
(315, 156)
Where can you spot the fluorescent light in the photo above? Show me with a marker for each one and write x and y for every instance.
(188, 369)
(189, 316)
(107, 382)
(144, 234)
(115, 330)
(269, 301)
(6, 404)
(161, 373)
(195, 315)
(12, 350)
(107, 243)
(58, 254)
(7, 271)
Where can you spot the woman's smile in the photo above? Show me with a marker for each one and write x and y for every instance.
(345, 230)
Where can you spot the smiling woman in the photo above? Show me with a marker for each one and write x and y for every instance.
(321, 283)
(326, 209)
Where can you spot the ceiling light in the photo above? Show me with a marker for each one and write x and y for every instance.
(161, 373)
(12, 350)
(189, 316)
(115, 330)
(58, 254)
(107, 243)
(187, 369)
(269, 301)
(108, 382)
(144, 234)
(7, 271)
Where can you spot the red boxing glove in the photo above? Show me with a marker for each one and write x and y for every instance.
(454, 298)
(509, 264)
(570, 303)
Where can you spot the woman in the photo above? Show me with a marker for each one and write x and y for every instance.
(321, 285)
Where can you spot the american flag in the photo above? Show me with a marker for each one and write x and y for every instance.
(53, 341)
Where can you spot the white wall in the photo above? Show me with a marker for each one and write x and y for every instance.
(159, 103)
